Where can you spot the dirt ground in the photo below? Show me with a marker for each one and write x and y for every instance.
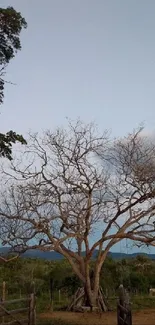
(143, 317)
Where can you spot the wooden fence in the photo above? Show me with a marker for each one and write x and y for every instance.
(124, 314)
(16, 316)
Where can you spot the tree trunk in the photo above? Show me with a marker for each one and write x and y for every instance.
(82, 300)
(92, 287)
(90, 297)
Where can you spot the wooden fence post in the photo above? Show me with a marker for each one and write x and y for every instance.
(3, 290)
(32, 310)
(118, 315)
(51, 293)
(124, 315)
(59, 295)
(121, 295)
(3, 297)
(130, 317)
(121, 300)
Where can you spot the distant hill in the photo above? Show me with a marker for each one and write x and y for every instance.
(34, 254)
(53, 256)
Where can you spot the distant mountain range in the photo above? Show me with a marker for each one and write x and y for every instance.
(53, 256)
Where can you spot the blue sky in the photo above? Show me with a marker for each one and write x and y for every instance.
(89, 58)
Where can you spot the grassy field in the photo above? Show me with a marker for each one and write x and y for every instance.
(138, 302)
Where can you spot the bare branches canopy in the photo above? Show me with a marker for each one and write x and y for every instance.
(75, 190)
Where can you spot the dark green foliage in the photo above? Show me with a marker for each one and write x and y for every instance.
(139, 282)
(11, 24)
(71, 283)
(19, 274)
(137, 273)
(6, 142)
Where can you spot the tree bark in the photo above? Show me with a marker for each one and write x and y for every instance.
(91, 288)
(82, 300)
(90, 297)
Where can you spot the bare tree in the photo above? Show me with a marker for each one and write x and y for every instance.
(75, 191)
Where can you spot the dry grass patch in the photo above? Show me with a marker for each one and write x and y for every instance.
(143, 317)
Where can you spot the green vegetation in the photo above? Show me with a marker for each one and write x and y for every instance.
(138, 274)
